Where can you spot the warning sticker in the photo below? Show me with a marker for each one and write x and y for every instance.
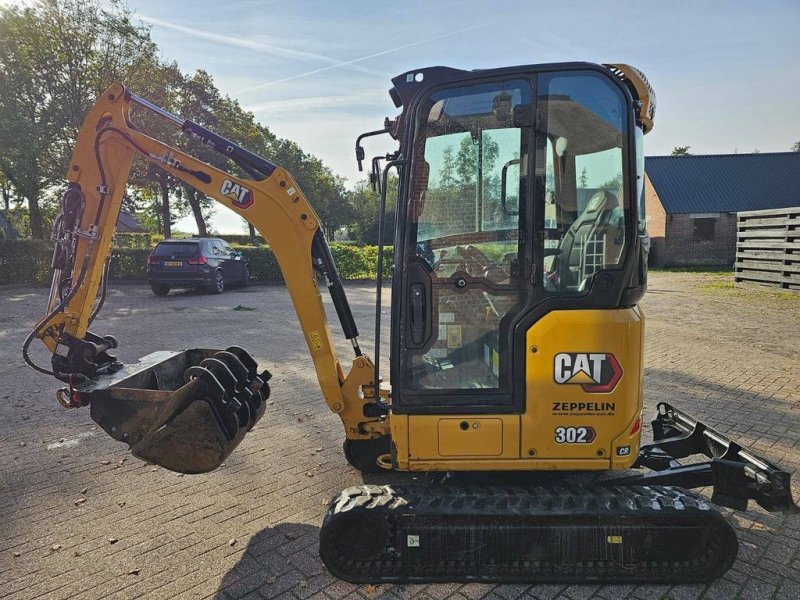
(454, 336)
(316, 340)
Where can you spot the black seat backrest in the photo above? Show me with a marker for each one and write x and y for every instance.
(583, 237)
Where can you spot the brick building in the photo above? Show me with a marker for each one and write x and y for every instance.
(692, 201)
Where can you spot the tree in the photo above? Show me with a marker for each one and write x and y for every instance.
(56, 57)
(796, 146)
(324, 190)
(681, 151)
(614, 184)
(202, 102)
(7, 230)
(6, 190)
(448, 167)
(583, 179)
(364, 202)
(157, 187)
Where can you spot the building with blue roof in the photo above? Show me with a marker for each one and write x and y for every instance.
(692, 201)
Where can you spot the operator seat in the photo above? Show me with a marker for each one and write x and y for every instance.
(583, 248)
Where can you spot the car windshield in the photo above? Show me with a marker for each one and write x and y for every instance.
(177, 249)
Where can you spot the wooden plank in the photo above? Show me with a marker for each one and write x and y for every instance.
(769, 233)
(777, 222)
(768, 245)
(773, 255)
(760, 276)
(768, 249)
(795, 210)
(764, 266)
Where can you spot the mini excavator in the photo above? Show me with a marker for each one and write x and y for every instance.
(516, 339)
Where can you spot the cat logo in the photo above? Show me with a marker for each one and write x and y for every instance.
(596, 373)
(241, 196)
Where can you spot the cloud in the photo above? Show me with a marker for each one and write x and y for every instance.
(350, 63)
(249, 44)
(319, 102)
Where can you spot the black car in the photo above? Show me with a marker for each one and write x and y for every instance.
(207, 263)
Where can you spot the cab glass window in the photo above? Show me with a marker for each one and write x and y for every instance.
(580, 173)
(470, 173)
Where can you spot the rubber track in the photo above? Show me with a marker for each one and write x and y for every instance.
(533, 534)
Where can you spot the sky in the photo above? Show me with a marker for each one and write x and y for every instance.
(726, 74)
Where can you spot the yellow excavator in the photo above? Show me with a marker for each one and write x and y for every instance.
(516, 339)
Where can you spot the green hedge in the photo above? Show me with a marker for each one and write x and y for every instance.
(352, 262)
(360, 262)
(263, 266)
(129, 263)
(133, 240)
(28, 261)
(25, 261)
(240, 239)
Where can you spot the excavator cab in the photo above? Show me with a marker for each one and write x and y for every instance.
(518, 264)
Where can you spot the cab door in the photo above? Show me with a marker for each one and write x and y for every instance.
(465, 274)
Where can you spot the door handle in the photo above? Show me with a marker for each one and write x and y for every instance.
(417, 313)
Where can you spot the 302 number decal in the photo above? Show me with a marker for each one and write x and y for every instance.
(575, 435)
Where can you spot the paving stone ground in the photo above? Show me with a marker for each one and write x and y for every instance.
(80, 518)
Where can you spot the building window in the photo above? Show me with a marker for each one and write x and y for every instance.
(703, 229)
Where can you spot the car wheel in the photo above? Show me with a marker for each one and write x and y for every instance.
(218, 284)
(246, 276)
(159, 290)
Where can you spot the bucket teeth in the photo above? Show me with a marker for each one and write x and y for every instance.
(193, 424)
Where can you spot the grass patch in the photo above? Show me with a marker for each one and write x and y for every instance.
(242, 308)
(719, 285)
(751, 292)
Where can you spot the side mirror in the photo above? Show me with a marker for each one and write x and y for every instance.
(513, 166)
(237, 253)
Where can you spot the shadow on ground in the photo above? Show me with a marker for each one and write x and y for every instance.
(278, 559)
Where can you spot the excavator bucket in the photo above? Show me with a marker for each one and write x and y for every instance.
(185, 411)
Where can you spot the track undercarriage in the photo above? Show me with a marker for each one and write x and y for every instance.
(560, 527)
(556, 533)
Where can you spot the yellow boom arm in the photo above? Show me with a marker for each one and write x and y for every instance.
(101, 164)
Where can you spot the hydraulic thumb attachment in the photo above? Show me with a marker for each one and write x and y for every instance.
(185, 411)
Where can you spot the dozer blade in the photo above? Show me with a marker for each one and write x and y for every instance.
(185, 411)
(555, 533)
(735, 474)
